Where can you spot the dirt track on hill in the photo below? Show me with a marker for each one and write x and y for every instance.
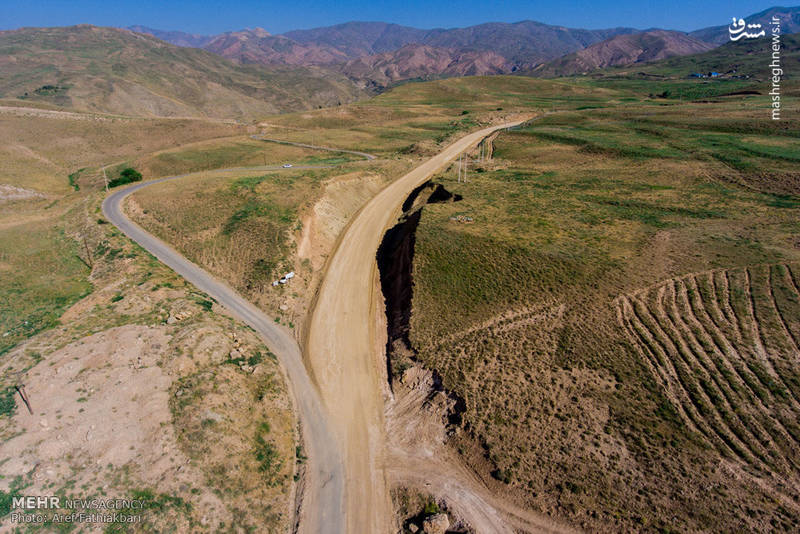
(344, 346)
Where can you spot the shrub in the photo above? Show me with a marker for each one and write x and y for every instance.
(7, 404)
(127, 176)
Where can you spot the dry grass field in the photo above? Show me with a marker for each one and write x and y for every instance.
(249, 228)
(143, 389)
(129, 371)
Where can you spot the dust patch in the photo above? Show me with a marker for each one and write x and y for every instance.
(10, 192)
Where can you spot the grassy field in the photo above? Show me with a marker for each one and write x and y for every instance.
(42, 275)
(45, 147)
(228, 152)
(416, 118)
(55, 159)
(540, 312)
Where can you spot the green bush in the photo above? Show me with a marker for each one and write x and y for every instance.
(127, 176)
(7, 404)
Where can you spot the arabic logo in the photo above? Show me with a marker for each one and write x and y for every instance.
(737, 30)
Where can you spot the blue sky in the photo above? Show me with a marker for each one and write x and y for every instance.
(276, 17)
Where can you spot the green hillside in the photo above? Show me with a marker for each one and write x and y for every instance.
(744, 59)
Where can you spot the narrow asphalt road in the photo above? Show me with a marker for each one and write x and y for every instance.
(322, 507)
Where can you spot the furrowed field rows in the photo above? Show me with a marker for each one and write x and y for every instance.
(723, 345)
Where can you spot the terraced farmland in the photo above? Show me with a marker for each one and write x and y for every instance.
(723, 345)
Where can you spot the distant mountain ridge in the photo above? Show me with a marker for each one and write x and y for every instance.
(624, 50)
(421, 62)
(178, 38)
(789, 18)
(522, 44)
(378, 54)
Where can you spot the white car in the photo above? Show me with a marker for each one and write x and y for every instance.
(287, 165)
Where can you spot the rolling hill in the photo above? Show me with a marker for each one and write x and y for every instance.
(119, 71)
(623, 50)
(746, 58)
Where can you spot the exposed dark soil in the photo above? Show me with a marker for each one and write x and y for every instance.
(395, 264)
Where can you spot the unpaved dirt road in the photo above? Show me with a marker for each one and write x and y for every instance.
(322, 502)
(260, 137)
(344, 346)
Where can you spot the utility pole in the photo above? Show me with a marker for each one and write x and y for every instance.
(466, 164)
(105, 178)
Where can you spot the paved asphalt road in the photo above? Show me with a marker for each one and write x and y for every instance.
(323, 501)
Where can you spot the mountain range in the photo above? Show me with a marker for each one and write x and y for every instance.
(623, 50)
(376, 55)
(146, 72)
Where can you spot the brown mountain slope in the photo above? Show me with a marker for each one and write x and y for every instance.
(417, 61)
(522, 44)
(178, 38)
(624, 50)
(789, 18)
(118, 71)
(258, 46)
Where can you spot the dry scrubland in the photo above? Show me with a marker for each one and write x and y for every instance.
(621, 318)
(251, 227)
(611, 193)
(90, 68)
(139, 386)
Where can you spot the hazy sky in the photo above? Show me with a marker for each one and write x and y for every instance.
(277, 17)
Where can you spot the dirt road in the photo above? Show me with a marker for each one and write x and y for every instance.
(322, 503)
(343, 346)
(364, 155)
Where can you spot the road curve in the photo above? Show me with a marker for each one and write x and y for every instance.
(322, 508)
(343, 346)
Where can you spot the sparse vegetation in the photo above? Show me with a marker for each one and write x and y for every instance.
(516, 312)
